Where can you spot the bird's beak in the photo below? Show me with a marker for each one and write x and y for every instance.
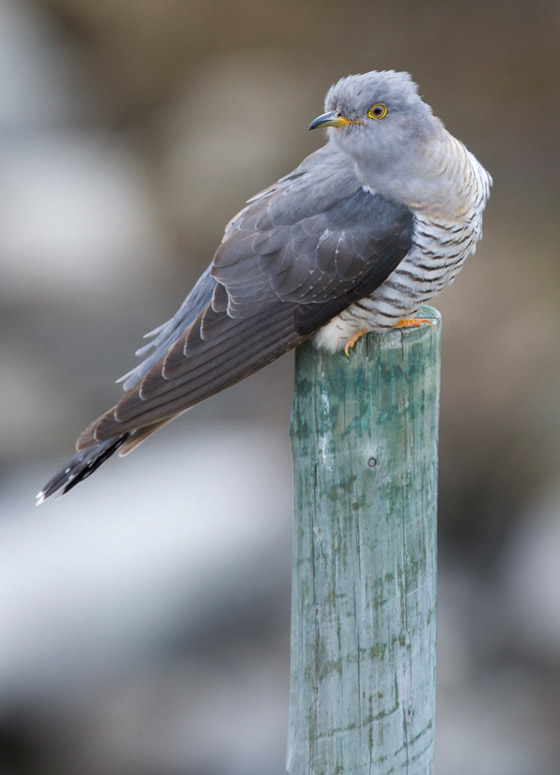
(332, 118)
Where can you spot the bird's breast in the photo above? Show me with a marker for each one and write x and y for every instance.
(447, 227)
(438, 252)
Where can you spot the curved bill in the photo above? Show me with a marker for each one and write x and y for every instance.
(332, 118)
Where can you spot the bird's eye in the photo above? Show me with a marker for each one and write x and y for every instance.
(377, 111)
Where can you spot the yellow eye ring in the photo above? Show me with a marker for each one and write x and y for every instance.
(377, 111)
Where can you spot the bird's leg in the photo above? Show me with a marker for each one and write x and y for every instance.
(353, 339)
(410, 323)
(413, 322)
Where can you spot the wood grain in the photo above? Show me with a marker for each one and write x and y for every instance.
(364, 434)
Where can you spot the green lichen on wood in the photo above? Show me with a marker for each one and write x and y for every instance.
(364, 434)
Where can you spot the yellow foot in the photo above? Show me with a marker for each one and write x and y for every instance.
(413, 322)
(353, 339)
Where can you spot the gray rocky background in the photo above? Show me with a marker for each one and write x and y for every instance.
(144, 619)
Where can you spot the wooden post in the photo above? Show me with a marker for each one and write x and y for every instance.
(364, 434)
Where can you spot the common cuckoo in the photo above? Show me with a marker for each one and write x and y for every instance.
(366, 230)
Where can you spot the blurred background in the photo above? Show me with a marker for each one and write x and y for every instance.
(144, 619)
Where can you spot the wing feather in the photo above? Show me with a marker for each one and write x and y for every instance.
(296, 256)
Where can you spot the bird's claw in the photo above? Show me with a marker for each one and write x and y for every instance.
(353, 339)
(414, 322)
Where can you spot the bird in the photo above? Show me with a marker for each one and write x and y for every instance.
(364, 231)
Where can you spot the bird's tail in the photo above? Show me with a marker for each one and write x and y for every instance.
(79, 467)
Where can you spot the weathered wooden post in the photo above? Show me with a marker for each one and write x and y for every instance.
(364, 434)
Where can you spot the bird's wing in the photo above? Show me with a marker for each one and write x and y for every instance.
(297, 255)
(167, 334)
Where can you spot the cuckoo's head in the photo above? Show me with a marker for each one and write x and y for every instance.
(378, 114)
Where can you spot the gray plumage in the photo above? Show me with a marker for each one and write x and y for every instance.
(356, 239)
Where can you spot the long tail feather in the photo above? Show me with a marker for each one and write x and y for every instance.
(82, 465)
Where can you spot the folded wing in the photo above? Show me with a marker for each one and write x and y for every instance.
(295, 257)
